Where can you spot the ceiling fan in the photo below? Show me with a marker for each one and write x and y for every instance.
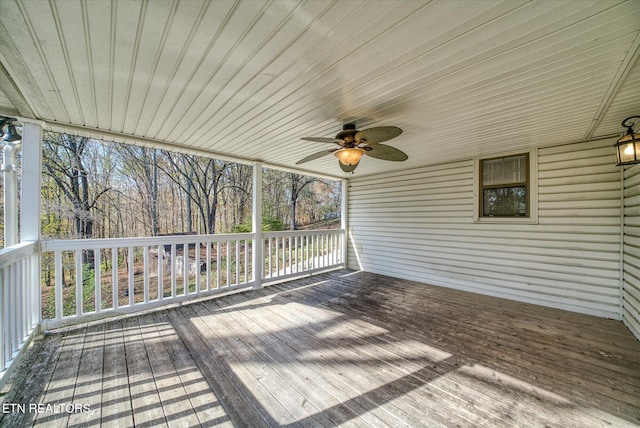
(353, 144)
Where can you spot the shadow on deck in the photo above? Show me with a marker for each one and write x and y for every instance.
(339, 348)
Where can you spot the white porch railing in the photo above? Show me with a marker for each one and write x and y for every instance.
(290, 253)
(19, 300)
(95, 276)
(69, 281)
(92, 276)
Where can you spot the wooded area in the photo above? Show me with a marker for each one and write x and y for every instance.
(93, 189)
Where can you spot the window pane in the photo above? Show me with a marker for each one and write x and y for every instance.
(505, 201)
(512, 170)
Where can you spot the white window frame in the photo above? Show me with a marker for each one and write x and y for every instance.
(533, 190)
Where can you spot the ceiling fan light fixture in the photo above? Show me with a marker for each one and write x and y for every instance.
(353, 144)
(349, 155)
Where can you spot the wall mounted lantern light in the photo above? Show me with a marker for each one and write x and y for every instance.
(10, 135)
(628, 146)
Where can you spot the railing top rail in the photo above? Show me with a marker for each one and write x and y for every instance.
(73, 244)
(281, 233)
(16, 252)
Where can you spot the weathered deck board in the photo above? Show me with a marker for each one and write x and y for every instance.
(328, 388)
(414, 370)
(516, 349)
(417, 362)
(145, 399)
(308, 393)
(338, 349)
(60, 388)
(88, 388)
(177, 409)
(204, 402)
(212, 361)
(29, 385)
(116, 403)
(349, 363)
(462, 329)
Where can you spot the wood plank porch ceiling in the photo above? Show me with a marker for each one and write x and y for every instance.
(341, 348)
(247, 79)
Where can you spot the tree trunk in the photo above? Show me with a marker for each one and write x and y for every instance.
(188, 203)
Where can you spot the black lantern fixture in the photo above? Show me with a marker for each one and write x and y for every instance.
(628, 146)
(10, 135)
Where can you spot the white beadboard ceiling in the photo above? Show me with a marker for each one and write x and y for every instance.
(248, 79)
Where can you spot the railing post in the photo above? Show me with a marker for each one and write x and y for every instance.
(256, 221)
(344, 223)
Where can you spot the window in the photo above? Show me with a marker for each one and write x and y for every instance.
(504, 188)
(504, 183)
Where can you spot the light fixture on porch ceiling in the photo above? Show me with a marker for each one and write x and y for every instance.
(628, 146)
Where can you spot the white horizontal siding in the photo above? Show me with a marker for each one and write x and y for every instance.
(418, 224)
(631, 274)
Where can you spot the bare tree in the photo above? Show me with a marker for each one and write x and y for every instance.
(113, 190)
(64, 161)
(142, 164)
(200, 179)
(236, 190)
(273, 198)
(297, 185)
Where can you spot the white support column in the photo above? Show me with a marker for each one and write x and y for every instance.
(31, 179)
(344, 217)
(10, 172)
(256, 221)
(30, 208)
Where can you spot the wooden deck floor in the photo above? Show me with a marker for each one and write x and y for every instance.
(340, 348)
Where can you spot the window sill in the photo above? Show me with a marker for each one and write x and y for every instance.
(507, 220)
